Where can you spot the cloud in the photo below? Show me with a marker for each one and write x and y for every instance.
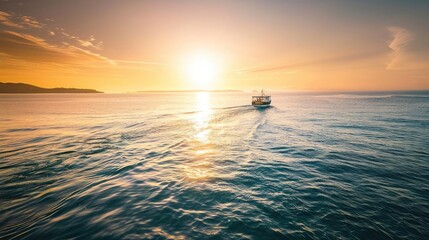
(26, 47)
(401, 38)
(13, 21)
(400, 57)
(403, 55)
(91, 43)
(20, 50)
(140, 62)
(6, 19)
(68, 47)
(31, 43)
(318, 62)
(31, 22)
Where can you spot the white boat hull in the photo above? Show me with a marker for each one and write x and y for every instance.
(261, 105)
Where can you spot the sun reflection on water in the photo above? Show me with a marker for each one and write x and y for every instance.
(202, 117)
(200, 166)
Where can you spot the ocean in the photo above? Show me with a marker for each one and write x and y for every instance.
(211, 166)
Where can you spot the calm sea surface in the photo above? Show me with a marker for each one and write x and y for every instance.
(210, 166)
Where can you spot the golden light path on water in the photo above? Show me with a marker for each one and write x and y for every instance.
(202, 117)
(200, 167)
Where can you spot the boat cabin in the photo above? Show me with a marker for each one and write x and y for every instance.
(261, 100)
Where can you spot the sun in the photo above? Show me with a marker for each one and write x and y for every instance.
(202, 68)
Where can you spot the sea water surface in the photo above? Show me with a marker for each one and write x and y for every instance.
(211, 166)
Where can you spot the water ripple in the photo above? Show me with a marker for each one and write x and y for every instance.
(309, 168)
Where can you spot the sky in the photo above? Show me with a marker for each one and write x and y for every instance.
(278, 45)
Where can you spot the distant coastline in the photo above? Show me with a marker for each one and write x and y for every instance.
(27, 88)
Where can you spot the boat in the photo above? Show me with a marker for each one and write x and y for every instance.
(261, 100)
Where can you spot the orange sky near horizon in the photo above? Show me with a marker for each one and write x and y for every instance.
(126, 46)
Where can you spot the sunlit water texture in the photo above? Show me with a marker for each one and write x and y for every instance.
(209, 165)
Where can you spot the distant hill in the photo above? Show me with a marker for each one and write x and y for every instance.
(27, 88)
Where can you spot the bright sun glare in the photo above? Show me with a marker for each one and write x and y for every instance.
(202, 68)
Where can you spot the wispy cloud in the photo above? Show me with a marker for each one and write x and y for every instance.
(7, 20)
(21, 22)
(28, 22)
(27, 47)
(31, 22)
(290, 67)
(140, 62)
(17, 43)
(401, 38)
(90, 43)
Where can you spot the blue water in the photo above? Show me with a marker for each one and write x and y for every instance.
(209, 166)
